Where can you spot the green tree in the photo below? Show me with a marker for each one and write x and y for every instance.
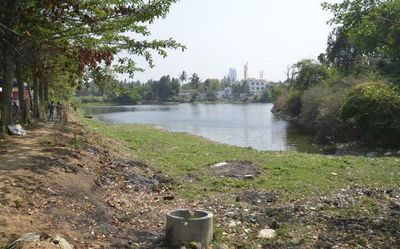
(265, 96)
(183, 77)
(373, 108)
(373, 29)
(166, 88)
(341, 52)
(245, 88)
(195, 81)
(307, 73)
(211, 95)
(242, 88)
(176, 86)
(212, 85)
(8, 21)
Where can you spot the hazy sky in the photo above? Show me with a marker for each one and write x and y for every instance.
(219, 34)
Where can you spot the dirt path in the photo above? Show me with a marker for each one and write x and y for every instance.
(21, 169)
(79, 190)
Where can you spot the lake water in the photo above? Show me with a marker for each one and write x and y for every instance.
(245, 125)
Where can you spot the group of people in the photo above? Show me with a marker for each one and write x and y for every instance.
(58, 108)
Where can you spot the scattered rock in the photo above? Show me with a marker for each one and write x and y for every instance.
(61, 242)
(388, 154)
(266, 234)
(351, 148)
(233, 223)
(372, 154)
(65, 245)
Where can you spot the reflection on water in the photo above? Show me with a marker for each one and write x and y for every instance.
(117, 109)
(246, 125)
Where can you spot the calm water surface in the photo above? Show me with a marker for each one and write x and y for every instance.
(245, 125)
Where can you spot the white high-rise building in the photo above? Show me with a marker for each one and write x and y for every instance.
(232, 76)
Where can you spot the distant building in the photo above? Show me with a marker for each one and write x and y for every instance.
(232, 76)
(228, 92)
(257, 86)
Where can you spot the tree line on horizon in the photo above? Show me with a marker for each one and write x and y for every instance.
(171, 89)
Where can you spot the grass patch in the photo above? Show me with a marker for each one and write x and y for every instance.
(291, 173)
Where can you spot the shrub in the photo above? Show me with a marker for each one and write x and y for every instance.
(91, 99)
(275, 91)
(288, 103)
(373, 109)
(311, 101)
(327, 120)
(280, 102)
(320, 111)
(265, 97)
(293, 103)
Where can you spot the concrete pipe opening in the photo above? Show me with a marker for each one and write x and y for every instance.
(184, 227)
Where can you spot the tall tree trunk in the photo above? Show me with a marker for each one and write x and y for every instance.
(21, 88)
(46, 92)
(36, 109)
(8, 60)
(41, 91)
(8, 74)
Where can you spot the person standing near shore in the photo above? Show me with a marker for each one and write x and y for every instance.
(51, 111)
(59, 112)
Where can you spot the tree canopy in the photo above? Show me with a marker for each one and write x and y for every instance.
(61, 42)
(368, 30)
